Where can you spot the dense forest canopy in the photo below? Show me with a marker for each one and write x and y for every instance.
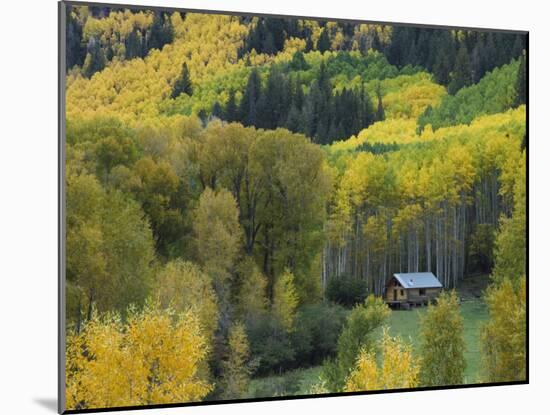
(240, 189)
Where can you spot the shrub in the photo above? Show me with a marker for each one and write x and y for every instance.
(316, 334)
(357, 335)
(346, 291)
(270, 344)
(288, 384)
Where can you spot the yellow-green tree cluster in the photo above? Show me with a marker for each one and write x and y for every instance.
(153, 358)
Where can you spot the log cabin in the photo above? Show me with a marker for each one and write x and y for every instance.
(404, 290)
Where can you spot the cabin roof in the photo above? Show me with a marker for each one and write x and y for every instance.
(418, 280)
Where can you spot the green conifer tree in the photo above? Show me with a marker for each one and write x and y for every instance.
(323, 44)
(231, 111)
(462, 73)
(183, 84)
(249, 103)
(380, 115)
(521, 82)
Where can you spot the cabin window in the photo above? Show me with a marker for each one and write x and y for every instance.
(402, 293)
(422, 291)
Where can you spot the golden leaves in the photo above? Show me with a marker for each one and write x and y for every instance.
(133, 90)
(218, 232)
(398, 368)
(236, 368)
(182, 286)
(503, 337)
(285, 300)
(153, 358)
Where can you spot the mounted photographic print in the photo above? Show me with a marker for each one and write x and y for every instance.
(259, 207)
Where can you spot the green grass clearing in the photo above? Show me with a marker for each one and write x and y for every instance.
(293, 382)
(406, 324)
(403, 323)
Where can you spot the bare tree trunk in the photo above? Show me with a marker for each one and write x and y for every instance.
(428, 246)
(356, 245)
(455, 250)
(324, 255)
(79, 316)
(90, 305)
(437, 248)
(417, 250)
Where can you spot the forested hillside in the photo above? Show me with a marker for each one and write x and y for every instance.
(240, 190)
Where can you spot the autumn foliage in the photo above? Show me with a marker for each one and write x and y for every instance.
(240, 189)
(152, 358)
(398, 368)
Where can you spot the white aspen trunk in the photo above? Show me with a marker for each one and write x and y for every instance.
(495, 197)
(464, 236)
(367, 264)
(438, 248)
(417, 249)
(428, 246)
(488, 199)
(455, 250)
(445, 249)
(326, 264)
(355, 260)
(400, 256)
(409, 251)
(339, 266)
(345, 258)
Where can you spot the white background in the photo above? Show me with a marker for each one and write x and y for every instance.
(28, 204)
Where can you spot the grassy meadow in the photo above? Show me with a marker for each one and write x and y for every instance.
(402, 323)
(405, 323)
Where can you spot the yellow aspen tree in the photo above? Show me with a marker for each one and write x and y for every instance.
(182, 286)
(511, 248)
(153, 358)
(218, 232)
(236, 367)
(357, 335)
(285, 300)
(504, 336)
(442, 343)
(398, 368)
(251, 300)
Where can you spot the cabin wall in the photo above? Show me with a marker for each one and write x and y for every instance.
(395, 292)
(429, 294)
